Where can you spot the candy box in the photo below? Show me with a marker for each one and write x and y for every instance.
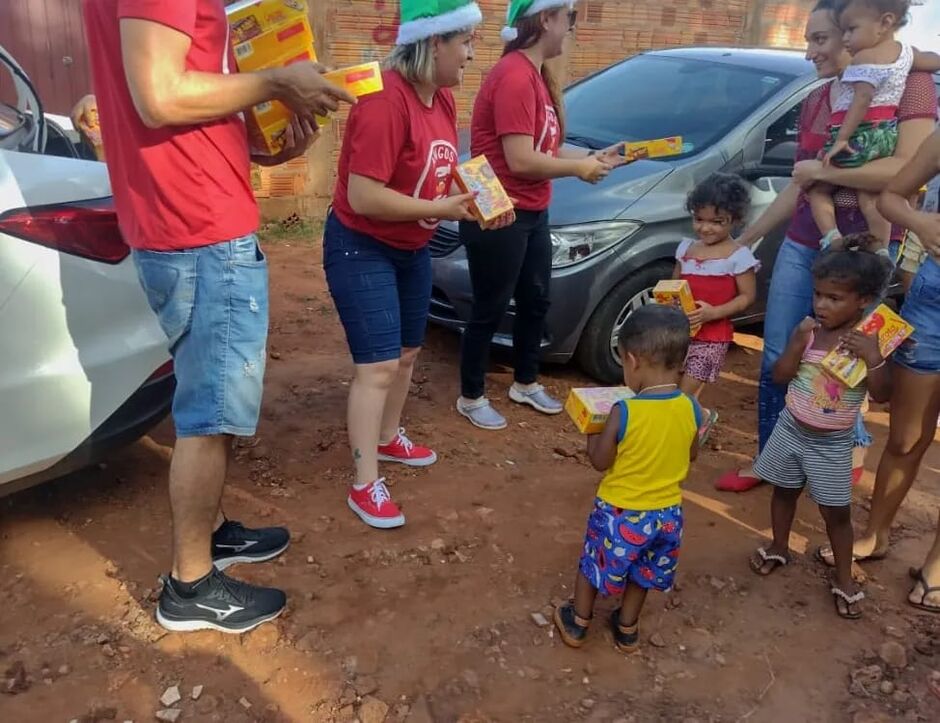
(357, 80)
(892, 331)
(271, 35)
(590, 407)
(676, 292)
(250, 18)
(659, 148)
(477, 176)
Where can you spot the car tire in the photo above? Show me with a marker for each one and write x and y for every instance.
(595, 354)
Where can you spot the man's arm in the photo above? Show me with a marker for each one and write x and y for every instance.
(165, 93)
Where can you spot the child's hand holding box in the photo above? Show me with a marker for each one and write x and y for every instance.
(589, 408)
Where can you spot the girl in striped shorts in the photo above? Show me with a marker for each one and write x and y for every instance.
(811, 446)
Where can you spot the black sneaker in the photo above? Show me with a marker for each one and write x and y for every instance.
(233, 543)
(219, 602)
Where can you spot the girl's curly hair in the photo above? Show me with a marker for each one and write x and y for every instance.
(724, 192)
(867, 273)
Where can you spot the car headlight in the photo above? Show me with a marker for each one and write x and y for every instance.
(573, 244)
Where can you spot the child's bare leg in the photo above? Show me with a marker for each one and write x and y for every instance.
(823, 207)
(633, 598)
(584, 596)
(841, 537)
(782, 512)
(878, 225)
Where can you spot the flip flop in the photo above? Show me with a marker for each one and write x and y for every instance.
(928, 590)
(777, 561)
(734, 481)
(824, 555)
(706, 429)
(838, 594)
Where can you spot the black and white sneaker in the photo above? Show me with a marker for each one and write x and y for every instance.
(218, 602)
(233, 543)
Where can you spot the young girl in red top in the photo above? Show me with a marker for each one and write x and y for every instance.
(722, 275)
(392, 188)
(518, 124)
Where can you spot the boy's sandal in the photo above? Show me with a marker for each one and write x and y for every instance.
(918, 577)
(571, 626)
(845, 603)
(626, 637)
(763, 558)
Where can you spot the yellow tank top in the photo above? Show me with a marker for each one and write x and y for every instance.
(653, 444)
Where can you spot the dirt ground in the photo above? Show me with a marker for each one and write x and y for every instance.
(443, 620)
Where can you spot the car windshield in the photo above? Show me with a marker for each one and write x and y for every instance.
(650, 96)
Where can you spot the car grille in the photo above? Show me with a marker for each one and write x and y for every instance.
(444, 242)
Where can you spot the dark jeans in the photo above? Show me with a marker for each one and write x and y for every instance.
(511, 263)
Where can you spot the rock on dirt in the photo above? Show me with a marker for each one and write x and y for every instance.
(170, 715)
(171, 696)
(657, 640)
(197, 692)
(372, 710)
(893, 654)
(539, 620)
(16, 679)
(244, 703)
(864, 681)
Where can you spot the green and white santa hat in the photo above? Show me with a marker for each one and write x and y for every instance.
(422, 19)
(520, 9)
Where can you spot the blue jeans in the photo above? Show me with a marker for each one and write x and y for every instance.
(382, 294)
(921, 354)
(789, 301)
(212, 303)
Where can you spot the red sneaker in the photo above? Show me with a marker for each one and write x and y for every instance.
(374, 506)
(403, 450)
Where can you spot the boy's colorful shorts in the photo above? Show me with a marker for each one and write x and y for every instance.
(624, 546)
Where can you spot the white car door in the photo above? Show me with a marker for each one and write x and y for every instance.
(77, 337)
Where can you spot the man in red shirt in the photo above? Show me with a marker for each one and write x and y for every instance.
(178, 157)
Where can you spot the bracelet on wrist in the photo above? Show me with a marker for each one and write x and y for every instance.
(882, 363)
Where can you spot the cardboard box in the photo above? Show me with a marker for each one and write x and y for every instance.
(250, 18)
(676, 292)
(273, 34)
(477, 176)
(659, 148)
(589, 408)
(892, 331)
(357, 80)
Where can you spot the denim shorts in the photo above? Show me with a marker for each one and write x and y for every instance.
(382, 294)
(212, 303)
(921, 353)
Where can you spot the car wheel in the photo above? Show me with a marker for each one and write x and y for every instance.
(597, 352)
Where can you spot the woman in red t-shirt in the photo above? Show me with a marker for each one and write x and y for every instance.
(518, 124)
(393, 186)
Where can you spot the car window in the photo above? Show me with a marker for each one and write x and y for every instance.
(780, 144)
(650, 96)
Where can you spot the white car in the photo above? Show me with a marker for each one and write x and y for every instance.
(84, 364)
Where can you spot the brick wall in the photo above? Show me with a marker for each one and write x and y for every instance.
(355, 31)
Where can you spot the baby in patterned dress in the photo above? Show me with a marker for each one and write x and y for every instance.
(864, 124)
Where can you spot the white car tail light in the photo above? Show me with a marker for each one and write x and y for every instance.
(88, 229)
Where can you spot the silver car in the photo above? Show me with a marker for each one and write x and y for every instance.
(737, 111)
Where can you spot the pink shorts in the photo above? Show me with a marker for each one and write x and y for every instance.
(705, 360)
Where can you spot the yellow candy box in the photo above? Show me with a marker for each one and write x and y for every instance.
(269, 34)
(357, 80)
(892, 331)
(678, 293)
(477, 176)
(658, 148)
(590, 407)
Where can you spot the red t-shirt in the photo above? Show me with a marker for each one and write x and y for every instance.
(392, 137)
(919, 101)
(514, 100)
(175, 187)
